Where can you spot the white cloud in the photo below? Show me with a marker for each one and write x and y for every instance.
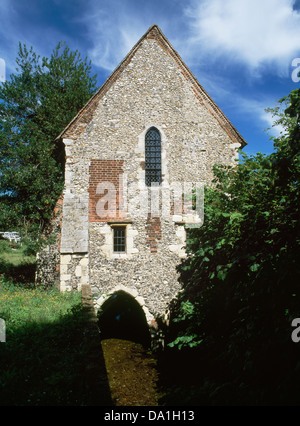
(115, 26)
(253, 32)
(244, 107)
(113, 29)
(15, 29)
(272, 130)
(257, 112)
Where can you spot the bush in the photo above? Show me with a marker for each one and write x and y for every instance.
(4, 246)
(240, 280)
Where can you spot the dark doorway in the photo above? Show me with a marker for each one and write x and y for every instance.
(121, 317)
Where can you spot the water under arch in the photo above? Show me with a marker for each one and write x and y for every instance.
(122, 317)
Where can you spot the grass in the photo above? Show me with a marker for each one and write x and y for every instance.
(51, 357)
(21, 304)
(43, 358)
(14, 253)
(15, 264)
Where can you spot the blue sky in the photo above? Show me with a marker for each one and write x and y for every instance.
(241, 51)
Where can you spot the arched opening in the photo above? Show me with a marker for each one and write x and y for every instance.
(122, 317)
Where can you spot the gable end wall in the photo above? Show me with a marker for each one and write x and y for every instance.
(105, 142)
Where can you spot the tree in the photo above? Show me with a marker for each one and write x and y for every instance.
(36, 104)
(241, 278)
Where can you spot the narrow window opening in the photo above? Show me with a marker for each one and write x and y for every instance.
(153, 157)
(119, 234)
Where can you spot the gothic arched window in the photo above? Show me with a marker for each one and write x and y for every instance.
(152, 157)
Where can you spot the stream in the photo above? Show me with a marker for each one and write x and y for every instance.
(132, 373)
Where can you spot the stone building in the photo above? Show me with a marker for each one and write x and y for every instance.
(132, 154)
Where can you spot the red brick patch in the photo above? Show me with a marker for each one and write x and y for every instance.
(106, 190)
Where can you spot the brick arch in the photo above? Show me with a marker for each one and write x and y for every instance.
(131, 292)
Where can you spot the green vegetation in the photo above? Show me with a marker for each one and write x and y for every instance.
(36, 104)
(17, 264)
(230, 335)
(14, 253)
(39, 364)
(241, 279)
(42, 360)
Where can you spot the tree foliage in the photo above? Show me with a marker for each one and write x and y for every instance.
(36, 104)
(241, 277)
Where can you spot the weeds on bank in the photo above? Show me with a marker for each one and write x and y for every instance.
(16, 264)
(42, 358)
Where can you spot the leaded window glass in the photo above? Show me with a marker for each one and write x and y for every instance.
(152, 157)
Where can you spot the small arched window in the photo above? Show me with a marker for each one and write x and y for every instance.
(152, 157)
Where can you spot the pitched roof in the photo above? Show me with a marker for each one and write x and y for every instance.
(154, 32)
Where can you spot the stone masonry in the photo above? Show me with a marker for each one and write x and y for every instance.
(105, 176)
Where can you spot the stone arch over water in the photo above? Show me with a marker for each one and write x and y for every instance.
(122, 314)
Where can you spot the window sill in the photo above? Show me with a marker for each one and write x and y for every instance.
(119, 255)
